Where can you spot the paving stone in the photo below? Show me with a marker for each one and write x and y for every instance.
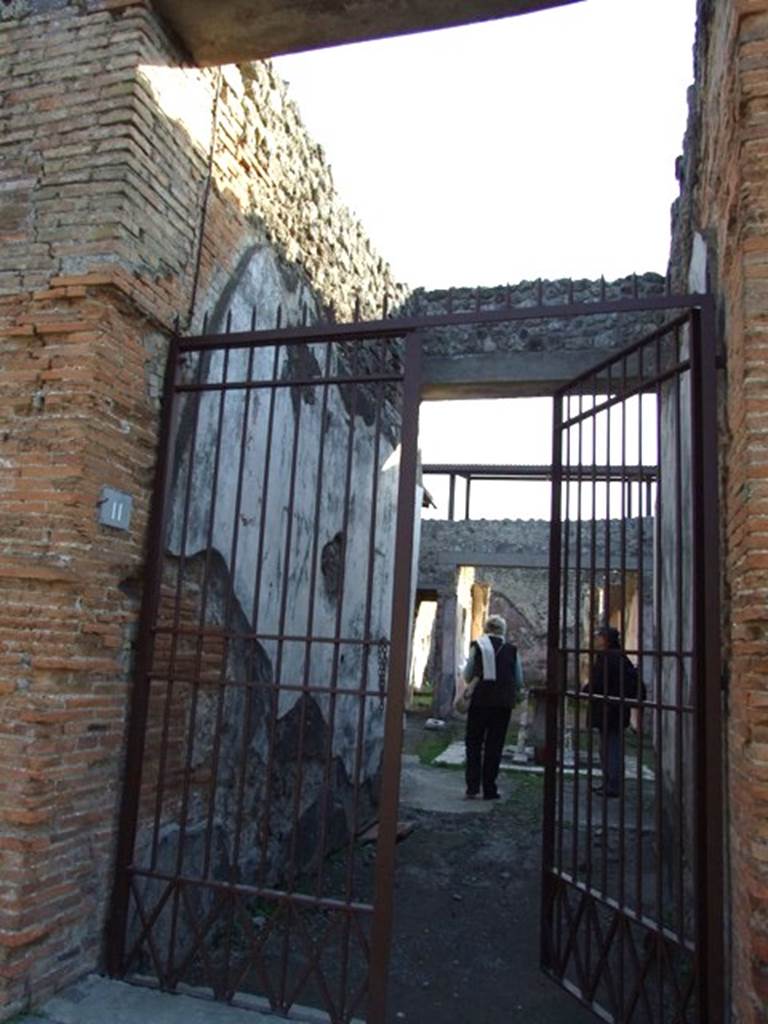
(98, 1000)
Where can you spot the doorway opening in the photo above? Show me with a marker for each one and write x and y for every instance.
(625, 686)
(484, 540)
(261, 814)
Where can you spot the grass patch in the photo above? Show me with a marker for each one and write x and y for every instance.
(523, 794)
(433, 744)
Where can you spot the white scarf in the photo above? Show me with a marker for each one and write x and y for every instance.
(489, 658)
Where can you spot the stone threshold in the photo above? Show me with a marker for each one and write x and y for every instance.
(100, 1000)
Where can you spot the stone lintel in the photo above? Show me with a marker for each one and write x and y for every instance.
(504, 374)
(512, 374)
(233, 31)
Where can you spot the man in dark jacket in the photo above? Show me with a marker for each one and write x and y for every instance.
(496, 664)
(612, 675)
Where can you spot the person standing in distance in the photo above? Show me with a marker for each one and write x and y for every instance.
(613, 676)
(497, 666)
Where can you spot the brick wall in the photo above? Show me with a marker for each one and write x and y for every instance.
(725, 199)
(77, 413)
(111, 150)
(108, 139)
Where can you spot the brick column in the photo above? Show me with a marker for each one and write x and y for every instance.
(727, 172)
(79, 395)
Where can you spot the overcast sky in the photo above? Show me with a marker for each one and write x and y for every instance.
(536, 146)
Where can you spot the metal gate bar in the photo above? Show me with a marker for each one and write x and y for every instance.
(707, 667)
(632, 872)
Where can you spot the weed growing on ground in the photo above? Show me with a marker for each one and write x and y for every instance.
(523, 794)
(433, 744)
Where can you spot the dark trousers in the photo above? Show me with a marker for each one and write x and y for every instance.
(486, 730)
(610, 757)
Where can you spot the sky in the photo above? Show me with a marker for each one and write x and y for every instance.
(537, 146)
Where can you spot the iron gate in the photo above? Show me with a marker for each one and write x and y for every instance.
(632, 919)
(266, 721)
(271, 667)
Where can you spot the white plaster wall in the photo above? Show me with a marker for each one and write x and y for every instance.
(288, 559)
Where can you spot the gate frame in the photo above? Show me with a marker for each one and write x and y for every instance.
(413, 331)
(383, 899)
(708, 754)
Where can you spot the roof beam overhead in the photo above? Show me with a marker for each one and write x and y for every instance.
(232, 31)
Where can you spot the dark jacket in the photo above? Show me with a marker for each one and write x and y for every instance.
(501, 692)
(612, 674)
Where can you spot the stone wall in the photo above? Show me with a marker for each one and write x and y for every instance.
(720, 221)
(113, 144)
(133, 188)
(519, 543)
(521, 597)
(529, 357)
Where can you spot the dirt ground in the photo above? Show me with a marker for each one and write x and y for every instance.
(467, 910)
(466, 930)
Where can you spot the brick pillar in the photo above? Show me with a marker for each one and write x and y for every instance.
(78, 415)
(727, 175)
